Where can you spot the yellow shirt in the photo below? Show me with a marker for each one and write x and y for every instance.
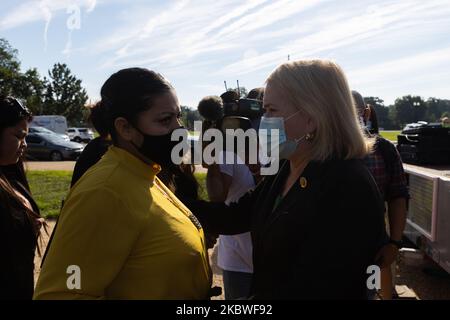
(128, 234)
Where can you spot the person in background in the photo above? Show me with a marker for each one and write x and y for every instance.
(373, 120)
(96, 148)
(20, 220)
(229, 96)
(256, 93)
(386, 167)
(445, 122)
(227, 182)
(128, 234)
(316, 224)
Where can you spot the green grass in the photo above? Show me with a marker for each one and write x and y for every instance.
(201, 178)
(390, 135)
(49, 188)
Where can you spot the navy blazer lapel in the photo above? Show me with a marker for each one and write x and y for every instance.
(271, 190)
(275, 188)
(302, 193)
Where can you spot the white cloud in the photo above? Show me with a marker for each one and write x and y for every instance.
(43, 10)
(268, 15)
(402, 69)
(40, 10)
(90, 5)
(350, 30)
(207, 41)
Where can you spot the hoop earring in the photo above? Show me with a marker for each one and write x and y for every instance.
(309, 137)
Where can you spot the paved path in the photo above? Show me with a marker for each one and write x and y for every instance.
(69, 165)
(49, 165)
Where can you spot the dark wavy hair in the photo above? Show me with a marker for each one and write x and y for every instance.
(11, 113)
(127, 93)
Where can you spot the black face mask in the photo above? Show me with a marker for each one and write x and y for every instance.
(158, 148)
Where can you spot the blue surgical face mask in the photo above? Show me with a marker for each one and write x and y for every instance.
(286, 146)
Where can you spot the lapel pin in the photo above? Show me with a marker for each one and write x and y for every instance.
(303, 182)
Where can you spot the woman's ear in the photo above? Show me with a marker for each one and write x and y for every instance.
(311, 125)
(124, 129)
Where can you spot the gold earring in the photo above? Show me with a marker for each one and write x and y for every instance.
(309, 136)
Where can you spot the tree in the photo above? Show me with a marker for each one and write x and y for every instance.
(433, 112)
(64, 94)
(9, 68)
(436, 108)
(409, 109)
(445, 115)
(444, 108)
(188, 116)
(384, 121)
(31, 90)
(28, 86)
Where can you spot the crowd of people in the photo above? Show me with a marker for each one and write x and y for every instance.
(134, 224)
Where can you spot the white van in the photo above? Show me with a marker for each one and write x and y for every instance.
(57, 124)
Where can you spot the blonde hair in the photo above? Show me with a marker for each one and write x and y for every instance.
(319, 89)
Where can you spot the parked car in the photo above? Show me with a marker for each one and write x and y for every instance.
(42, 146)
(47, 131)
(415, 125)
(80, 134)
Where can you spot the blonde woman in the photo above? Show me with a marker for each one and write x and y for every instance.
(317, 224)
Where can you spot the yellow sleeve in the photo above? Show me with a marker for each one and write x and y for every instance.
(96, 233)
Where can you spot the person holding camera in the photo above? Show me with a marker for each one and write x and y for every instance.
(317, 224)
(227, 182)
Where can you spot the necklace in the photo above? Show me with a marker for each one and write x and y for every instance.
(188, 214)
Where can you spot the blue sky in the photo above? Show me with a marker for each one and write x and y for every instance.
(387, 48)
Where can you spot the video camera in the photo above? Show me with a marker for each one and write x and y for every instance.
(247, 108)
(230, 112)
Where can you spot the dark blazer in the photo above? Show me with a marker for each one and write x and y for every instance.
(18, 242)
(320, 239)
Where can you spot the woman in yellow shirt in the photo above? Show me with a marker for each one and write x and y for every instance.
(121, 233)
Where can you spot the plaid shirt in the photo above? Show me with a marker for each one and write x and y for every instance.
(391, 184)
